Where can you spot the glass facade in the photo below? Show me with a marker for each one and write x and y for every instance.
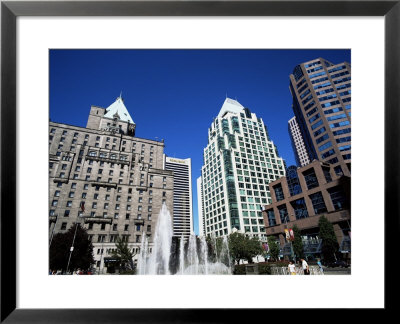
(323, 115)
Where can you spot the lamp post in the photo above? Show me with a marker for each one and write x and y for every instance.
(52, 232)
(291, 244)
(73, 241)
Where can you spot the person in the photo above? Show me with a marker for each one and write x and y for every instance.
(320, 265)
(292, 268)
(305, 267)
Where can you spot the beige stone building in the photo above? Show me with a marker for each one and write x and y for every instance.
(105, 178)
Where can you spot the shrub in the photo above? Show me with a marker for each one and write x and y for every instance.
(264, 269)
(128, 272)
(239, 269)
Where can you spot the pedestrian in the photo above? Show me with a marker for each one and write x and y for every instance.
(305, 267)
(320, 265)
(292, 268)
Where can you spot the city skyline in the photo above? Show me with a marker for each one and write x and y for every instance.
(171, 93)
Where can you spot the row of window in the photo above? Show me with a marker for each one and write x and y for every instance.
(299, 206)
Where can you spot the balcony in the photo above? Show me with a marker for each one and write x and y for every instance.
(98, 220)
(107, 159)
(103, 184)
(139, 221)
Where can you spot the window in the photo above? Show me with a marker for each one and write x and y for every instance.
(63, 226)
(279, 192)
(338, 197)
(271, 217)
(300, 208)
(318, 203)
(283, 214)
(310, 178)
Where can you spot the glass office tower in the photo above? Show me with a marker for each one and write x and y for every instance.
(240, 160)
(321, 94)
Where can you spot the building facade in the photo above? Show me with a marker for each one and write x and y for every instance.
(183, 208)
(108, 180)
(298, 145)
(240, 160)
(321, 94)
(200, 207)
(301, 198)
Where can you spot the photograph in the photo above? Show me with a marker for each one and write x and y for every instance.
(199, 162)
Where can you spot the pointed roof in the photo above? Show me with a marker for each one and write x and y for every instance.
(231, 106)
(118, 109)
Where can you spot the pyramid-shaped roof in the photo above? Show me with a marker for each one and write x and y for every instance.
(118, 109)
(230, 105)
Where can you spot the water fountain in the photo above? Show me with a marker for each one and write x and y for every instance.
(194, 255)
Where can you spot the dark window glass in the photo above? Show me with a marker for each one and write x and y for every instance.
(293, 181)
(279, 192)
(310, 178)
(338, 197)
(318, 203)
(300, 209)
(271, 217)
(283, 214)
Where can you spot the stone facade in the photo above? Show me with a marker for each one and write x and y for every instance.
(111, 182)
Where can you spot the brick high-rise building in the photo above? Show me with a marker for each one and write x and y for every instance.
(321, 94)
(301, 198)
(105, 178)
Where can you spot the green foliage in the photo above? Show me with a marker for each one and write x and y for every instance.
(82, 255)
(128, 272)
(242, 247)
(329, 242)
(273, 247)
(264, 269)
(239, 269)
(123, 255)
(297, 243)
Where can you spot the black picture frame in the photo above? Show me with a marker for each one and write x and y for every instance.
(10, 10)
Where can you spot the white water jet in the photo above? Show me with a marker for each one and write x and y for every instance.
(181, 255)
(192, 257)
(158, 261)
(204, 253)
(194, 262)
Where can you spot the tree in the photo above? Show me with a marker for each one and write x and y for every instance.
(273, 247)
(329, 242)
(242, 247)
(82, 255)
(123, 255)
(298, 248)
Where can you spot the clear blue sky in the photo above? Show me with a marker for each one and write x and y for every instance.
(175, 94)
